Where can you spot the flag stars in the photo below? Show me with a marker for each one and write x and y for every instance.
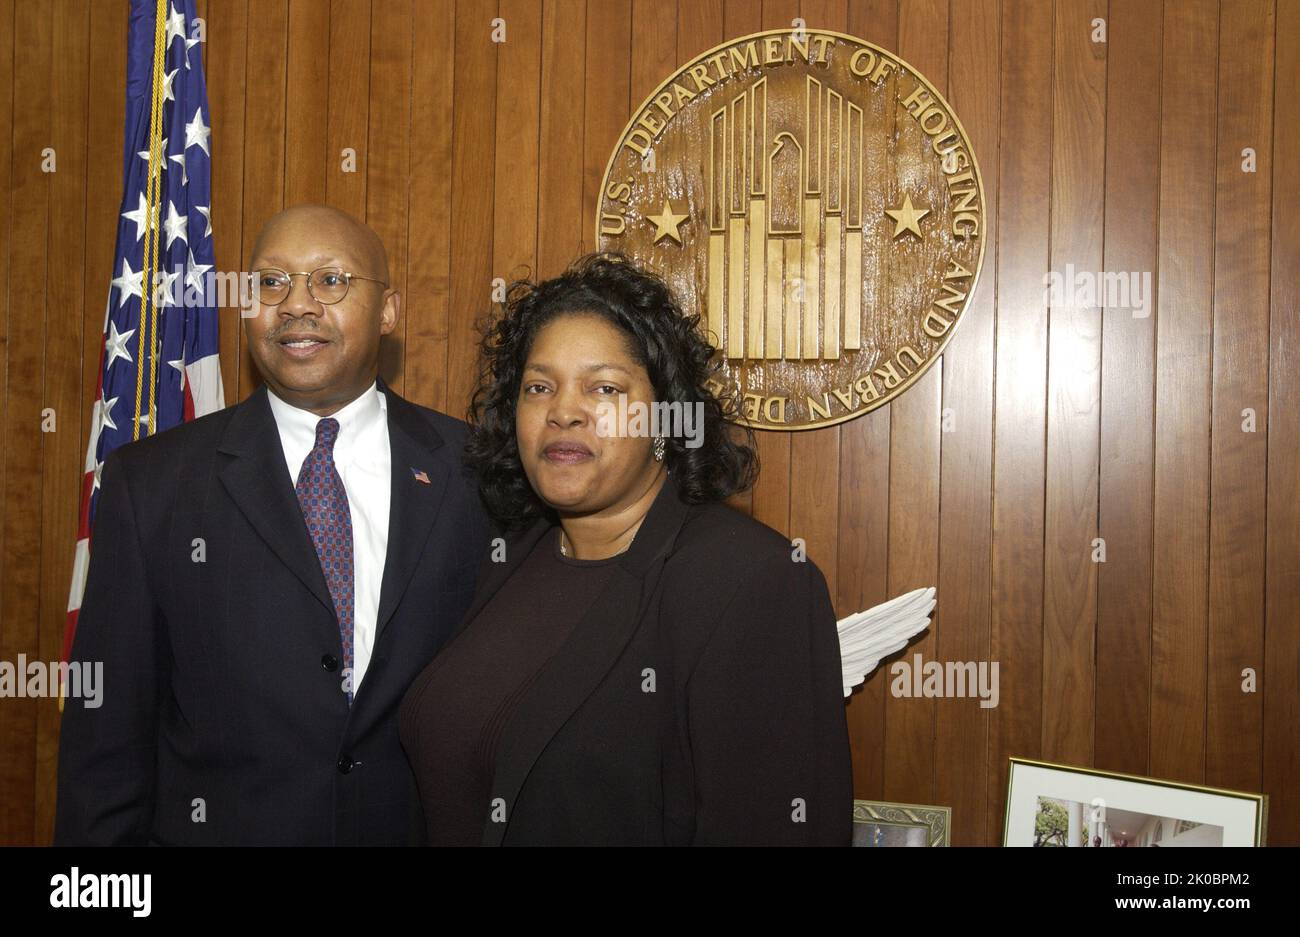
(175, 25)
(129, 284)
(206, 212)
(175, 225)
(197, 133)
(115, 345)
(164, 292)
(179, 159)
(194, 278)
(105, 406)
(141, 219)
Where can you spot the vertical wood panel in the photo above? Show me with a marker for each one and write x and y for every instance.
(308, 86)
(20, 602)
(264, 115)
(472, 198)
(1281, 636)
(815, 454)
(560, 230)
(514, 244)
(771, 495)
(740, 18)
(607, 91)
(225, 56)
(1020, 418)
(864, 504)
(1073, 384)
(1238, 459)
(910, 757)
(428, 276)
(961, 737)
(349, 104)
(1182, 414)
(1123, 678)
(61, 455)
(387, 165)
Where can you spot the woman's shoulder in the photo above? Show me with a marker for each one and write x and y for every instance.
(719, 543)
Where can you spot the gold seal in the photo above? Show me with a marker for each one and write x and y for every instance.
(818, 203)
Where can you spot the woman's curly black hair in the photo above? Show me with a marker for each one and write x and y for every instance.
(667, 343)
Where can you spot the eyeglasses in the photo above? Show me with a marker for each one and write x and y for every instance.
(327, 285)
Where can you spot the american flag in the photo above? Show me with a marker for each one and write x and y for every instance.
(158, 364)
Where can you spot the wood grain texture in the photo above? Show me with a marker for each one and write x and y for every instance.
(1043, 427)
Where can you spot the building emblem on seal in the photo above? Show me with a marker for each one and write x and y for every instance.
(816, 201)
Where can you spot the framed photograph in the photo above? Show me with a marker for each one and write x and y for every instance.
(878, 823)
(1063, 805)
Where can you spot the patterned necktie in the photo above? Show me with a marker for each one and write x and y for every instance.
(324, 504)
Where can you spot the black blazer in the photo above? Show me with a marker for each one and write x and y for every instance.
(698, 701)
(222, 693)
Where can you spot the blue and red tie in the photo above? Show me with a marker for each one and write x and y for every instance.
(324, 504)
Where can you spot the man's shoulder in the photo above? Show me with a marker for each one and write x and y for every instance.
(198, 435)
(447, 426)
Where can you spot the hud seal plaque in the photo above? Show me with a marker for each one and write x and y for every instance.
(817, 202)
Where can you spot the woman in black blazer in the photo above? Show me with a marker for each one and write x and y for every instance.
(641, 663)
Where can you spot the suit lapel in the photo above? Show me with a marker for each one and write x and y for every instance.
(415, 499)
(257, 480)
(587, 655)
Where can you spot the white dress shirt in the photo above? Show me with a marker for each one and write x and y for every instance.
(364, 462)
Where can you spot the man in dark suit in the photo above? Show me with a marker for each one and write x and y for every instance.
(266, 581)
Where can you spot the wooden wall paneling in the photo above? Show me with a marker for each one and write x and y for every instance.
(654, 46)
(741, 18)
(1182, 412)
(607, 90)
(1123, 675)
(28, 255)
(306, 160)
(265, 118)
(514, 244)
(910, 757)
(770, 498)
(1239, 459)
(62, 452)
(428, 275)
(862, 577)
(349, 105)
(1073, 384)
(815, 454)
(6, 239)
(1020, 418)
(225, 58)
(472, 198)
(388, 166)
(966, 453)
(560, 221)
(1281, 634)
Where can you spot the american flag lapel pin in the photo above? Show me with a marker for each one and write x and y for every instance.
(421, 477)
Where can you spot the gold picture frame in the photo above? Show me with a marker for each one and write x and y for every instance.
(1239, 817)
(889, 824)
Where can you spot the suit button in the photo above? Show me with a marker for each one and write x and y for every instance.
(345, 764)
(330, 662)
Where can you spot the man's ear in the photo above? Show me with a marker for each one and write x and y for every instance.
(391, 312)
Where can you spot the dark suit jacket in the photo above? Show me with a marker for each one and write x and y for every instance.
(698, 701)
(222, 686)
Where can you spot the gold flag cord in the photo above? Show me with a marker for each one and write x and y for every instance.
(149, 308)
